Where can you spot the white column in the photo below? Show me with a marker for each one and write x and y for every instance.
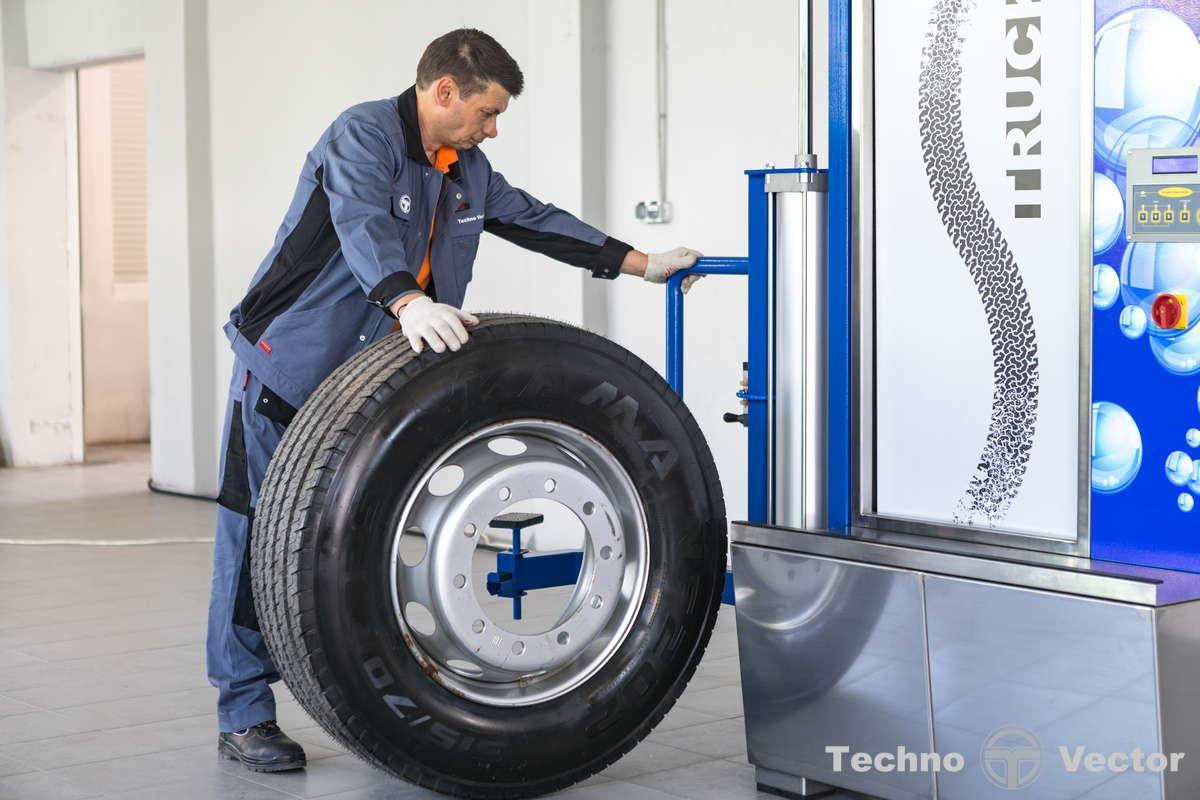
(40, 403)
(567, 167)
(184, 437)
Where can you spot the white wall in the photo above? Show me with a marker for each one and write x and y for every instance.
(282, 70)
(279, 78)
(40, 384)
(238, 92)
(732, 105)
(63, 33)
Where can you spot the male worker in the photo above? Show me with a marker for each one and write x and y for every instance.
(381, 233)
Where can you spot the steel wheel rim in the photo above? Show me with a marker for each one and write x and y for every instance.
(493, 664)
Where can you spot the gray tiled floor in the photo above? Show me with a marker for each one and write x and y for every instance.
(102, 685)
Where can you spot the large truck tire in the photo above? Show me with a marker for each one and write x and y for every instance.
(395, 441)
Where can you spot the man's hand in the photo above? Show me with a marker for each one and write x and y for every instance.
(436, 324)
(661, 266)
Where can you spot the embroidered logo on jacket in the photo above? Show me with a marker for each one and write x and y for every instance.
(405, 203)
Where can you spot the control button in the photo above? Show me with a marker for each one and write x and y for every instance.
(1169, 216)
(1185, 215)
(1143, 216)
(1169, 312)
(1155, 216)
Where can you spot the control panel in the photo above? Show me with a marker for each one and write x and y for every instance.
(1162, 200)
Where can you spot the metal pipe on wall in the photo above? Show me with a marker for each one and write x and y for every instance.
(660, 96)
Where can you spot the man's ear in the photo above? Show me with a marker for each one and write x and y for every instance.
(444, 91)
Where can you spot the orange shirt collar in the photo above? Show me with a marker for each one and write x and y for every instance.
(444, 158)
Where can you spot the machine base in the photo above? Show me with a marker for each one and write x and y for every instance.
(920, 670)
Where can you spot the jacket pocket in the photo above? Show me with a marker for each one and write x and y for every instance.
(235, 483)
(465, 248)
(274, 407)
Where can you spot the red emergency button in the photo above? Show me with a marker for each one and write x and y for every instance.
(1169, 311)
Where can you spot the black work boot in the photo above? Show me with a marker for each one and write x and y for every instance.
(262, 748)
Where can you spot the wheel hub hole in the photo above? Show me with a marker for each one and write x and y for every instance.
(419, 618)
(506, 446)
(413, 546)
(446, 480)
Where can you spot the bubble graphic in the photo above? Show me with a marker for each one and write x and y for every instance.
(1149, 269)
(1105, 286)
(1193, 437)
(1194, 483)
(1179, 468)
(1139, 103)
(1116, 448)
(1133, 322)
(1186, 502)
(1180, 355)
(1108, 212)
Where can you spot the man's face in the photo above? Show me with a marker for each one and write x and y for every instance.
(467, 122)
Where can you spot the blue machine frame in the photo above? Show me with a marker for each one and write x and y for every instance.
(562, 568)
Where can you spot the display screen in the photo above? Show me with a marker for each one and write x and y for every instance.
(1173, 165)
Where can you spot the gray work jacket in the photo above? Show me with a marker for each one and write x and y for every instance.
(355, 236)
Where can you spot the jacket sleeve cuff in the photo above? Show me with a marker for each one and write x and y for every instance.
(392, 288)
(608, 261)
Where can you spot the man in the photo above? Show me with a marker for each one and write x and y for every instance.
(381, 233)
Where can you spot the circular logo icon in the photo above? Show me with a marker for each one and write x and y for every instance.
(1011, 758)
(405, 203)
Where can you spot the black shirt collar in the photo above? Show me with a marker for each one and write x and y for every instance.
(407, 104)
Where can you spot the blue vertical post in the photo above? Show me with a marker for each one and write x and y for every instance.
(675, 334)
(839, 242)
(757, 201)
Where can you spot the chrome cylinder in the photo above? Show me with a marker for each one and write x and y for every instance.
(798, 347)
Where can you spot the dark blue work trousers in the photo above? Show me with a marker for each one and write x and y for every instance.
(238, 662)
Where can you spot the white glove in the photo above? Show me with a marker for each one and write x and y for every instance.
(661, 266)
(438, 324)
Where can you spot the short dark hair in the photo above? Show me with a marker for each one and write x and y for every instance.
(473, 59)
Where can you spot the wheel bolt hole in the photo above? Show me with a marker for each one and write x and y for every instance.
(550, 485)
(469, 531)
(505, 494)
(589, 507)
(518, 648)
(606, 552)
(460, 581)
(478, 625)
(597, 601)
(563, 637)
